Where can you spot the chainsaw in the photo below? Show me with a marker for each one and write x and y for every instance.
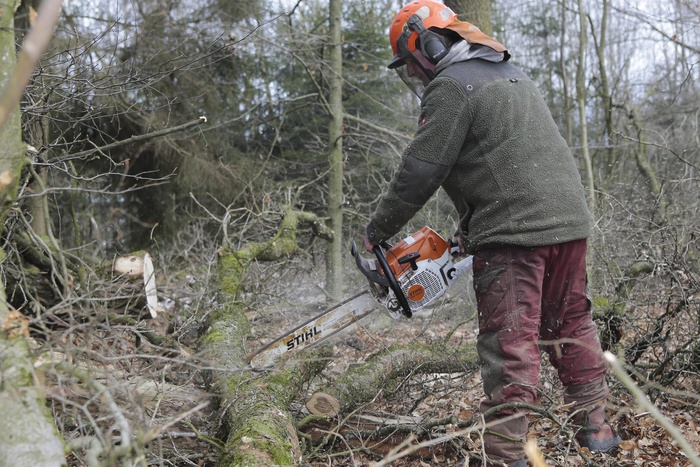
(402, 279)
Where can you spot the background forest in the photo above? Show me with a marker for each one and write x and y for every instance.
(191, 130)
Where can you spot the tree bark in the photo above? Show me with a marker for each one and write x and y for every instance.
(641, 157)
(383, 373)
(601, 44)
(334, 260)
(581, 98)
(386, 370)
(566, 99)
(29, 434)
(477, 12)
(261, 431)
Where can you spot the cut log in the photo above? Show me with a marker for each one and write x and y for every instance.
(131, 266)
(260, 428)
(323, 404)
(386, 372)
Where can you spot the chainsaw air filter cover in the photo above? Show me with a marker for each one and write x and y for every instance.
(423, 267)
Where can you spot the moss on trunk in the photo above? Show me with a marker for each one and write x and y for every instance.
(386, 370)
(261, 431)
(29, 434)
(611, 315)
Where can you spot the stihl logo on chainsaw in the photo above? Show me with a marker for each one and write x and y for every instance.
(303, 336)
(416, 293)
(404, 279)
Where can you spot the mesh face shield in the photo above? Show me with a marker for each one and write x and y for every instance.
(414, 83)
(417, 72)
(412, 67)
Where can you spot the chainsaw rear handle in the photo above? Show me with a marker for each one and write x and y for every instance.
(393, 283)
(456, 248)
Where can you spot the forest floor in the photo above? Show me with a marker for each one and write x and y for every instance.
(166, 391)
(433, 397)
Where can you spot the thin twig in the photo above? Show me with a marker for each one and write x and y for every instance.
(104, 393)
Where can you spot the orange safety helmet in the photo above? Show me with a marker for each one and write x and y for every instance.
(406, 28)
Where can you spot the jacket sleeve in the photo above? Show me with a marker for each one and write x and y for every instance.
(427, 160)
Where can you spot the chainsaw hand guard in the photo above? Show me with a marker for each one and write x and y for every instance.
(367, 268)
(393, 283)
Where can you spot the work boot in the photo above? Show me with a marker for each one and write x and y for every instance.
(589, 414)
(596, 434)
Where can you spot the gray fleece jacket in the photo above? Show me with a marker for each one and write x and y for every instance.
(487, 137)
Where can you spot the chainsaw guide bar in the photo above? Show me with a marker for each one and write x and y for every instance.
(318, 328)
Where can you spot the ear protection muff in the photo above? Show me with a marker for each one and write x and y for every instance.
(432, 44)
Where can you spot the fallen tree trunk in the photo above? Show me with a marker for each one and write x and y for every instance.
(336, 414)
(260, 428)
(387, 370)
(29, 434)
(261, 431)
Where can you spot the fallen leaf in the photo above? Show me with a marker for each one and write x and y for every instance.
(628, 445)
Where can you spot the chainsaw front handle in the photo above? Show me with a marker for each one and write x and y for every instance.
(393, 283)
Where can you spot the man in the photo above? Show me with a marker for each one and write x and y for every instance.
(487, 137)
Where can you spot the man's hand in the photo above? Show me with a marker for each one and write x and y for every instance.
(457, 248)
(368, 245)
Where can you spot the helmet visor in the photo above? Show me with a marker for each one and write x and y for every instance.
(413, 82)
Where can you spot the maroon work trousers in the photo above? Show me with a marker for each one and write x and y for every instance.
(531, 299)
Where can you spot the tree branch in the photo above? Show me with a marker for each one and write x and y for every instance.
(135, 139)
(34, 45)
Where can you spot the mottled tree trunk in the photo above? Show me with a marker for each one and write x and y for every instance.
(582, 102)
(567, 106)
(261, 431)
(477, 12)
(334, 259)
(29, 436)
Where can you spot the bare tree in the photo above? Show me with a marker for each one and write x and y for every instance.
(336, 198)
(24, 418)
(582, 102)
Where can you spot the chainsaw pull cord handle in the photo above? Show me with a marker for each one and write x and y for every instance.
(393, 283)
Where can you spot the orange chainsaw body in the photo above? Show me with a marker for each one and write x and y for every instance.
(427, 243)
